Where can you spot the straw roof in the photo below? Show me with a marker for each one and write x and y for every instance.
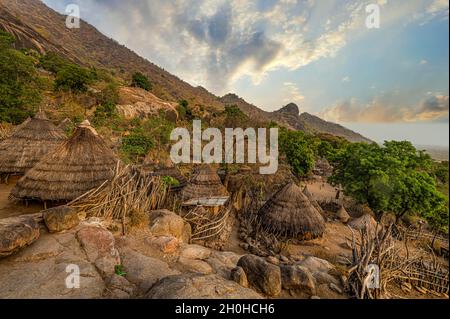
(31, 141)
(169, 169)
(290, 214)
(316, 205)
(204, 183)
(80, 164)
(342, 215)
(364, 222)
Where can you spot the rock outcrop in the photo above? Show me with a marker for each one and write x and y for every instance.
(138, 103)
(17, 233)
(261, 275)
(166, 223)
(60, 218)
(197, 286)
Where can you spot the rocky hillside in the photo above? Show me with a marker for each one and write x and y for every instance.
(36, 26)
(291, 117)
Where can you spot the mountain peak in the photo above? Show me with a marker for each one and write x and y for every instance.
(291, 108)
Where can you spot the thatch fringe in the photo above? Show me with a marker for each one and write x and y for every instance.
(28, 144)
(80, 164)
(290, 214)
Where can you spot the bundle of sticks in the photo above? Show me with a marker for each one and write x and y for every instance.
(130, 191)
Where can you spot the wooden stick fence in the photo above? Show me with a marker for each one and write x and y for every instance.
(129, 191)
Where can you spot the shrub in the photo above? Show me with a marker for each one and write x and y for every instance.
(73, 78)
(136, 145)
(296, 147)
(20, 85)
(141, 81)
(170, 181)
(52, 62)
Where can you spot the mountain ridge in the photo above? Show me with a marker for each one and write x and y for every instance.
(37, 26)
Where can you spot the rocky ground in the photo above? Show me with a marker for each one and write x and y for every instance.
(155, 261)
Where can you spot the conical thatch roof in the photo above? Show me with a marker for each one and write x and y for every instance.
(169, 169)
(75, 167)
(290, 214)
(31, 140)
(312, 200)
(204, 183)
(342, 215)
(364, 222)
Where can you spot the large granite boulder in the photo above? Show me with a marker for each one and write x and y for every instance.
(16, 233)
(60, 218)
(261, 275)
(198, 286)
(295, 277)
(166, 223)
(142, 270)
(98, 243)
(44, 269)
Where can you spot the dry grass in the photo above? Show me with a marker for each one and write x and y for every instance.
(80, 164)
(28, 144)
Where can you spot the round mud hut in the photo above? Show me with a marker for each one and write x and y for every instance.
(290, 214)
(28, 144)
(80, 164)
(205, 183)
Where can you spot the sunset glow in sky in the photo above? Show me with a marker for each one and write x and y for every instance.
(386, 83)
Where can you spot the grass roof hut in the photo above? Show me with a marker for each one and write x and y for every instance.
(366, 222)
(205, 183)
(28, 144)
(170, 170)
(290, 214)
(342, 215)
(316, 205)
(80, 164)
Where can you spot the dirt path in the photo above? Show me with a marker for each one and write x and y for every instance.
(8, 208)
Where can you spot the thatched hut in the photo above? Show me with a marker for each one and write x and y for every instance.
(342, 215)
(323, 168)
(204, 183)
(170, 170)
(290, 214)
(366, 222)
(310, 196)
(28, 144)
(80, 164)
(205, 189)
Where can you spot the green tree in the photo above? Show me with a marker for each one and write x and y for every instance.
(234, 117)
(53, 62)
(184, 111)
(20, 85)
(299, 154)
(392, 178)
(141, 80)
(73, 78)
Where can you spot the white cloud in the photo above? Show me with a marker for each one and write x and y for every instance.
(388, 108)
(292, 93)
(214, 43)
(346, 79)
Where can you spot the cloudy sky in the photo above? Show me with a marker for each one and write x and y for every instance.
(387, 83)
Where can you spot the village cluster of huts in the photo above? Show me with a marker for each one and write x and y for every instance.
(57, 169)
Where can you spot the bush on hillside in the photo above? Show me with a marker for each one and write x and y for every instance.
(141, 81)
(20, 85)
(73, 78)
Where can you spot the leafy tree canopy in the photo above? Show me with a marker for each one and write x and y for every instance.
(390, 178)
